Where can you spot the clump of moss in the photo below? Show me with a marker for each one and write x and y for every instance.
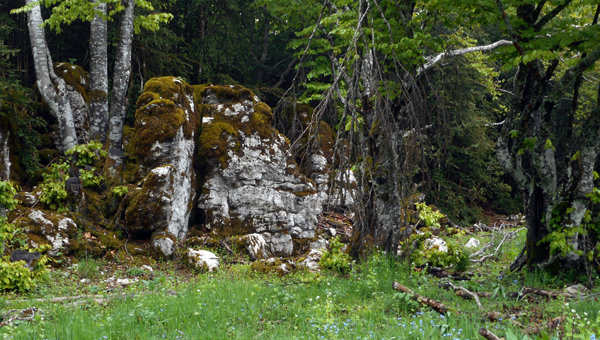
(165, 106)
(144, 210)
(74, 76)
(273, 265)
(214, 141)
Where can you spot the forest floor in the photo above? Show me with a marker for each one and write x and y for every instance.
(94, 299)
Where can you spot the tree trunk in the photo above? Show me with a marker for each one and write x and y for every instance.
(122, 71)
(4, 156)
(52, 88)
(98, 75)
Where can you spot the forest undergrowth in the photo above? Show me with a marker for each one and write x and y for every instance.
(99, 300)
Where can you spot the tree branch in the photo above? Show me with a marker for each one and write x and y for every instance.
(432, 60)
(543, 21)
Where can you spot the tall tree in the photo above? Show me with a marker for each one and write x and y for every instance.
(95, 11)
(549, 142)
(99, 73)
(52, 88)
(122, 72)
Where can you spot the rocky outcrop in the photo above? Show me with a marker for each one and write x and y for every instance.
(162, 147)
(251, 183)
(50, 228)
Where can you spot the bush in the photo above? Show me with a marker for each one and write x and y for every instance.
(335, 259)
(15, 275)
(415, 250)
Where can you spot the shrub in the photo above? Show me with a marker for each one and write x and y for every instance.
(15, 275)
(335, 259)
(415, 250)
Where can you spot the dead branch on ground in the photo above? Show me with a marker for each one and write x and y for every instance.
(507, 236)
(13, 315)
(435, 305)
(462, 292)
(488, 335)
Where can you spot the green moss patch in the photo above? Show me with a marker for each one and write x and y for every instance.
(162, 109)
(74, 76)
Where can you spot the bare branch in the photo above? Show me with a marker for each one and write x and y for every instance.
(432, 60)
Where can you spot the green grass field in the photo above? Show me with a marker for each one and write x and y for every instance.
(239, 303)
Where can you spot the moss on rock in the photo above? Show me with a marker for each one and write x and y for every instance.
(166, 105)
(74, 76)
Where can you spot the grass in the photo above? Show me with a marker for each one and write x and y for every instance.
(238, 303)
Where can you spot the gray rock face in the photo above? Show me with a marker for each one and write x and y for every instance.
(53, 228)
(251, 177)
(163, 143)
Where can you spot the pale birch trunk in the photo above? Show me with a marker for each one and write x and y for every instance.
(99, 74)
(52, 88)
(122, 72)
(4, 156)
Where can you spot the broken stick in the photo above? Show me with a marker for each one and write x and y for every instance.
(488, 335)
(435, 305)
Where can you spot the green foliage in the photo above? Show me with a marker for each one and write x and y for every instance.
(53, 192)
(90, 178)
(582, 325)
(87, 154)
(15, 275)
(87, 268)
(136, 271)
(430, 217)
(119, 190)
(53, 189)
(335, 259)
(7, 195)
(414, 248)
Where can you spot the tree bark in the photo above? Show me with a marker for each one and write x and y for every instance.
(99, 74)
(4, 156)
(122, 71)
(52, 88)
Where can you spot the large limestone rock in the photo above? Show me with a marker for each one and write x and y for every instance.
(162, 147)
(251, 183)
(44, 227)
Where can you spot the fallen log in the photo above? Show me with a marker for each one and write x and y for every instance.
(441, 273)
(435, 305)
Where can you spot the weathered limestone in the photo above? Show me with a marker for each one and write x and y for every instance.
(48, 228)
(252, 184)
(203, 260)
(163, 147)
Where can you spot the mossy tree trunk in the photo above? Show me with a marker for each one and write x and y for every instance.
(52, 88)
(122, 72)
(99, 74)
